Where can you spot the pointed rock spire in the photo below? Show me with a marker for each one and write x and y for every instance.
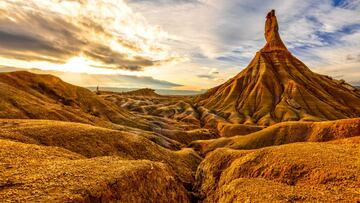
(277, 87)
(273, 40)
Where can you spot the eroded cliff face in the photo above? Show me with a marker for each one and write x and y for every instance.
(272, 36)
(277, 87)
(298, 172)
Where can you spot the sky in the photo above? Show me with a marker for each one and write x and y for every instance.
(172, 44)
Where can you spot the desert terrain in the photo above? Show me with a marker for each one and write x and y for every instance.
(276, 132)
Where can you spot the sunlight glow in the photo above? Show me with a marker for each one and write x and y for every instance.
(106, 31)
(74, 65)
(77, 64)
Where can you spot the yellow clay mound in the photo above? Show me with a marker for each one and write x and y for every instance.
(309, 172)
(34, 173)
(26, 95)
(283, 133)
(91, 141)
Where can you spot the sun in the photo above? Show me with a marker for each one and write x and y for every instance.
(77, 64)
(80, 64)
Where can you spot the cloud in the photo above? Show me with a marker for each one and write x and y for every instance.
(29, 48)
(351, 57)
(233, 58)
(356, 83)
(115, 80)
(107, 32)
(321, 33)
(162, 2)
(225, 35)
(211, 74)
(118, 80)
(210, 77)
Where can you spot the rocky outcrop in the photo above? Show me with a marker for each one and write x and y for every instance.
(31, 173)
(285, 133)
(91, 141)
(272, 36)
(304, 172)
(277, 87)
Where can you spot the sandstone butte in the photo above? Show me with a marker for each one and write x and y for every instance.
(277, 87)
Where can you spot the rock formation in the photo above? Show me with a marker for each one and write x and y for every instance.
(278, 87)
(284, 133)
(298, 172)
(272, 36)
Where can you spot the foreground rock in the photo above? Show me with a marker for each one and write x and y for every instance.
(31, 173)
(284, 133)
(308, 172)
(91, 141)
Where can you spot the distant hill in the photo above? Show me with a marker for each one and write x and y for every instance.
(36, 96)
(158, 91)
(145, 92)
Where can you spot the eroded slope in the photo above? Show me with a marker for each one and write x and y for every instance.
(277, 87)
(308, 172)
(32, 173)
(34, 96)
(91, 141)
(284, 133)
